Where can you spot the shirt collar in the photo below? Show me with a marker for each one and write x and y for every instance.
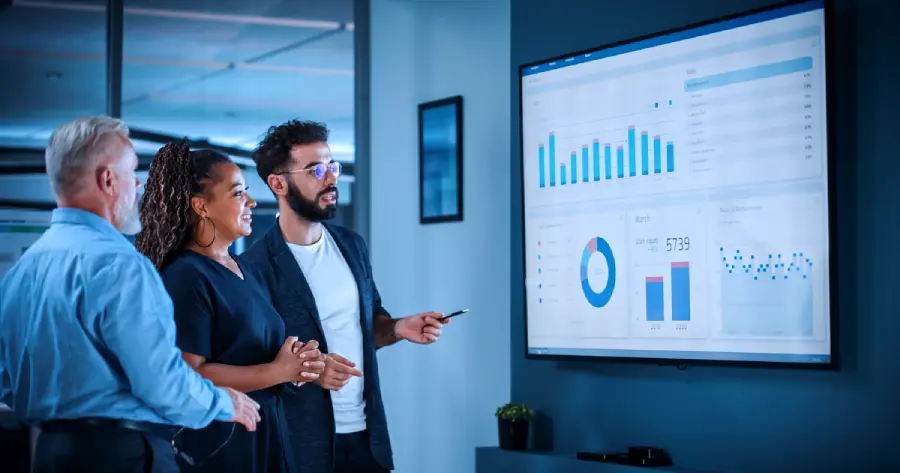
(83, 217)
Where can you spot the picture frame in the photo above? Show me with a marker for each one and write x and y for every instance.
(441, 160)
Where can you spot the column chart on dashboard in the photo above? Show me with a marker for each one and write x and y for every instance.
(676, 194)
(651, 123)
(667, 251)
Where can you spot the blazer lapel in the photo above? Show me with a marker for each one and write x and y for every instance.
(350, 253)
(290, 270)
(351, 256)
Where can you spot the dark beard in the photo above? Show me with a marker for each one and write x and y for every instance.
(309, 209)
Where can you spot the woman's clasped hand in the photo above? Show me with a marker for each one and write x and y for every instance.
(299, 362)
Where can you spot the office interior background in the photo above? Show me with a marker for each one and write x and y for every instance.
(221, 72)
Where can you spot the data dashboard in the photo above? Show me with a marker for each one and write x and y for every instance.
(676, 197)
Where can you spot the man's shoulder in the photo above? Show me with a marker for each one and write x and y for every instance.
(115, 253)
(100, 264)
(344, 233)
(92, 253)
(108, 265)
(258, 257)
(258, 252)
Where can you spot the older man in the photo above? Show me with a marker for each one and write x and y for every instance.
(87, 335)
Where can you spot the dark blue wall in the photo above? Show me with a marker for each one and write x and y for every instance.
(742, 420)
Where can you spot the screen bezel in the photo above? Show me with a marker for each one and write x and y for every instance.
(833, 361)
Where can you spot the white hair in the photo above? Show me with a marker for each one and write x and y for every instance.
(76, 148)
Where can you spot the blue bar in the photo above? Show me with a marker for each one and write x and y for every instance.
(751, 73)
(552, 159)
(562, 174)
(670, 157)
(681, 292)
(541, 161)
(584, 163)
(654, 296)
(645, 154)
(574, 161)
(620, 161)
(632, 156)
(608, 154)
(657, 161)
(596, 160)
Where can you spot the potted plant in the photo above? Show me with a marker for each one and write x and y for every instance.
(513, 421)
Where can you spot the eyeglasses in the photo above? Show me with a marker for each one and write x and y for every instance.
(190, 460)
(320, 170)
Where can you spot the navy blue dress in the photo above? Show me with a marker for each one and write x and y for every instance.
(229, 320)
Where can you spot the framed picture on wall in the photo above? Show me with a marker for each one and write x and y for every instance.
(440, 160)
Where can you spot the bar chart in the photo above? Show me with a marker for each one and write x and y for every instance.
(766, 294)
(594, 164)
(680, 294)
(668, 271)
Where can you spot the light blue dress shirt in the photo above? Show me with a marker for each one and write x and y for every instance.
(87, 330)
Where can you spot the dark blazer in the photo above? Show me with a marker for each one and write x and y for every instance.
(308, 408)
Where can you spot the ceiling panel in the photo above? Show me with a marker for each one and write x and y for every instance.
(184, 70)
(334, 51)
(177, 38)
(52, 31)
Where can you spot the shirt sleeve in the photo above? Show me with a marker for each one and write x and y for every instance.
(138, 327)
(192, 308)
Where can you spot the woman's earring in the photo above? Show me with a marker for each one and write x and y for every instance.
(204, 220)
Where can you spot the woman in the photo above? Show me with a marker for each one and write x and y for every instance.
(195, 206)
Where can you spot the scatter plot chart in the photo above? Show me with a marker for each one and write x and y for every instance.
(766, 294)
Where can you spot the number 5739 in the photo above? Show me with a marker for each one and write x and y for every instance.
(678, 244)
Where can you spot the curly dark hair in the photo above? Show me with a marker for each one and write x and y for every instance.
(274, 150)
(176, 175)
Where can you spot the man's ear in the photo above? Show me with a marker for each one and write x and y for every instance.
(277, 184)
(106, 180)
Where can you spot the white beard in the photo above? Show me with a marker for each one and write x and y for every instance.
(129, 219)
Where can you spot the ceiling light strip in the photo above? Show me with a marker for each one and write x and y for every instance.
(193, 15)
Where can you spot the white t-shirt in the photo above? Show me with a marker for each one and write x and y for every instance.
(337, 300)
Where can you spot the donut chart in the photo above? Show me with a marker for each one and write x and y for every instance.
(594, 246)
